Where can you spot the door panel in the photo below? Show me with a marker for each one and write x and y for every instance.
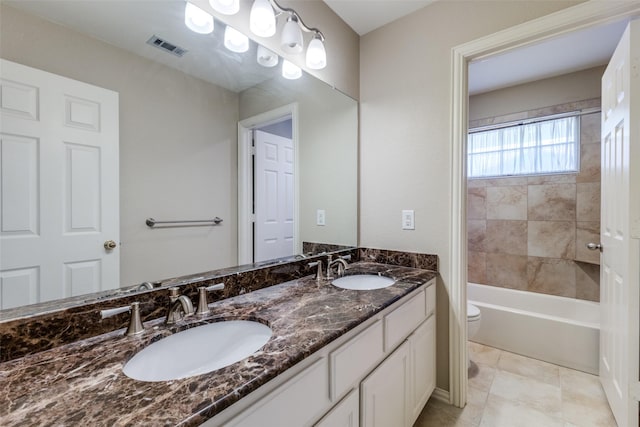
(59, 181)
(620, 273)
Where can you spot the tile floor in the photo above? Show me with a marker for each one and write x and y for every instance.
(508, 390)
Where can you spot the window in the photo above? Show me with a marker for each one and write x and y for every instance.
(543, 147)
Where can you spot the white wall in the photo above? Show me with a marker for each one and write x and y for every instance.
(543, 93)
(405, 128)
(177, 146)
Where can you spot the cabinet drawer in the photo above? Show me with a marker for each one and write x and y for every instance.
(355, 359)
(404, 320)
(296, 403)
(431, 299)
(344, 414)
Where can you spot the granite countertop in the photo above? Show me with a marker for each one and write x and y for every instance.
(82, 383)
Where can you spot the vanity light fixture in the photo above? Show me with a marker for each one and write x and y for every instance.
(226, 7)
(197, 20)
(291, 38)
(290, 71)
(262, 19)
(235, 41)
(316, 54)
(266, 58)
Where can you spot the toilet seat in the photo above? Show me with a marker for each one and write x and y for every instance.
(473, 313)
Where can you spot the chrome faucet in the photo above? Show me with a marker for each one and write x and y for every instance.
(135, 325)
(179, 307)
(203, 305)
(342, 266)
(319, 272)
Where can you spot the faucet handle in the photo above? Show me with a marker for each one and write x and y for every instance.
(203, 304)
(135, 324)
(319, 272)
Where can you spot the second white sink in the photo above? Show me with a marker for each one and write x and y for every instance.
(363, 282)
(198, 350)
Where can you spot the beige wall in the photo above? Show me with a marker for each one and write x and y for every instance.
(405, 127)
(558, 90)
(341, 42)
(177, 146)
(328, 155)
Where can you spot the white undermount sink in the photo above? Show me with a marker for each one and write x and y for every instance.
(363, 282)
(198, 350)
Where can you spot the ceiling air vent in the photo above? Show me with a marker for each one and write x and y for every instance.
(166, 46)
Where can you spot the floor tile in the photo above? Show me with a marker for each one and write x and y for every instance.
(535, 394)
(483, 354)
(532, 368)
(586, 412)
(501, 412)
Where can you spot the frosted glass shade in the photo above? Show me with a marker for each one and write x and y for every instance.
(262, 20)
(235, 41)
(290, 71)
(197, 20)
(291, 40)
(226, 7)
(266, 57)
(316, 55)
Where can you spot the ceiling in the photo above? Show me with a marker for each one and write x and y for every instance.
(560, 55)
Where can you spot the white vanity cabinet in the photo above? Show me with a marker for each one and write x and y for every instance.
(381, 374)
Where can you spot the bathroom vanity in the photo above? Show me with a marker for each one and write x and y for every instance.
(333, 353)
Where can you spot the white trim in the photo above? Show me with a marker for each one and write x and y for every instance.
(440, 394)
(584, 15)
(245, 178)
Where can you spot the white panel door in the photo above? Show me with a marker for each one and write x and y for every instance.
(59, 186)
(274, 194)
(620, 222)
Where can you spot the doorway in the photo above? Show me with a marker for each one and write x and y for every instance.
(578, 17)
(268, 225)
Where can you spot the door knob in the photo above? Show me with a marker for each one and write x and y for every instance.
(109, 245)
(594, 247)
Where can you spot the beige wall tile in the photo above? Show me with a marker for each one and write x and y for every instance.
(477, 203)
(552, 239)
(561, 178)
(552, 202)
(587, 232)
(509, 202)
(588, 201)
(589, 163)
(507, 271)
(587, 281)
(552, 276)
(477, 267)
(476, 231)
(476, 183)
(506, 181)
(508, 237)
(590, 129)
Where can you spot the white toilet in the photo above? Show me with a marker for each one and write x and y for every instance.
(473, 320)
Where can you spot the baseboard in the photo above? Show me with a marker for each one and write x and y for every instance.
(441, 395)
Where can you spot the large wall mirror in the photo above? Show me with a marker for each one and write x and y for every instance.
(177, 120)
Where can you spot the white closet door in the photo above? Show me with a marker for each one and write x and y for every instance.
(620, 229)
(59, 184)
(274, 194)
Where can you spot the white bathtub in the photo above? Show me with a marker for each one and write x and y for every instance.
(558, 330)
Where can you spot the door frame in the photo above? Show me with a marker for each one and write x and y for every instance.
(245, 177)
(581, 16)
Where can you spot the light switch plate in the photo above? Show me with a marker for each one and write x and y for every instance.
(320, 217)
(408, 220)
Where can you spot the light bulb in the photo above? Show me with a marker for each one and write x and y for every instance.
(290, 71)
(316, 54)
(226, 7)
(262, 20)
(235, 41)
(291, 39)
(266, 57)
(197, 20)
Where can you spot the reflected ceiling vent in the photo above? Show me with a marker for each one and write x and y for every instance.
(166, 46)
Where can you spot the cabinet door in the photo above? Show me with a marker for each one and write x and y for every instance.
(385, 392)
(344, 414)
(423, 366)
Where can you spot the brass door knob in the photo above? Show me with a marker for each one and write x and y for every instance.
(110, 244)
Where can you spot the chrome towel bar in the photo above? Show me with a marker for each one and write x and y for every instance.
(186, 223)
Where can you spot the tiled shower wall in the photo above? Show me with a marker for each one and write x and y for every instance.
(529, 233)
